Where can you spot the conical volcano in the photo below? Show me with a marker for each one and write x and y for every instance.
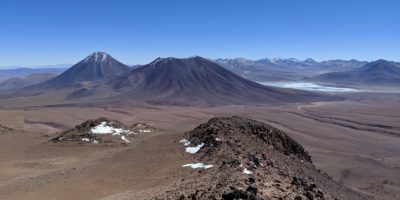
(196, 81)
(95, 67)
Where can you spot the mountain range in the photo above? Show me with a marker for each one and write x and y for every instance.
(23, 72)
(188, 81)
(100, 79)
(380, 72)
(21, 82)
(278, 69)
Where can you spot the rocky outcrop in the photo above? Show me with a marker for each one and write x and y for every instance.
(102, 131)
(5, 129)
(247, 159)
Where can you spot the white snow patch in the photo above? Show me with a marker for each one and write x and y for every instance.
(144, 131)
(246, 171)
(95, 142)
(194, 149)
(85, 139)
(124, 139)
(103, 128)
(104, 57)
(198, 165)
(185, 142)
(96, 55)
(217, 139)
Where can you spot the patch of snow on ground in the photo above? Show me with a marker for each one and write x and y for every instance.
(145, 131)
(124, 139)
(217, 139)
(246, 171)
(197, 165)
(185, 142)
(95, 142)
(85, 139)
(194, 149)
(103, 128)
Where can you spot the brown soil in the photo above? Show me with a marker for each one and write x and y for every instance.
(356, 142)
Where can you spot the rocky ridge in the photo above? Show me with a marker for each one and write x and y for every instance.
(246, 159)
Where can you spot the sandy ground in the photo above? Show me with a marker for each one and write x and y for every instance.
(356, 142)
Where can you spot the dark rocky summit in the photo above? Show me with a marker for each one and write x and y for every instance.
(243, 135)
(252, 160)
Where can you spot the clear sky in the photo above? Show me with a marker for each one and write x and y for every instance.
(39, 32)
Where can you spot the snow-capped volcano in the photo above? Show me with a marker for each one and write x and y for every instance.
(95, 67)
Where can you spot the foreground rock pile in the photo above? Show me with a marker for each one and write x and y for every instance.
(102, 130)
(247, 159)
(5, 129)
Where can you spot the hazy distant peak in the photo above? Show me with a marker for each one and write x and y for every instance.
(380, 72)
(233, 61)
(381, 64)
(310, 60)
(382, 61)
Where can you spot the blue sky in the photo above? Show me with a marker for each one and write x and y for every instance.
(135, 32)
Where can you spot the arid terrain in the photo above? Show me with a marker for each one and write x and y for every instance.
(199, 100)
(356, 142)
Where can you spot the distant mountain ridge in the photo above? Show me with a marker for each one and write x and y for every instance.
(380, 72)
(23, 72)
(275, 69)
(36, 67)
(20, 82)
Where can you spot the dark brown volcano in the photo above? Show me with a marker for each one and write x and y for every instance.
(196, 81)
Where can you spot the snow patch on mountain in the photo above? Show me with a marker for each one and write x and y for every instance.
(198, 165)
(195, 149)
(103, 128)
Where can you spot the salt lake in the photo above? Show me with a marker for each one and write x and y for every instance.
(308, 86)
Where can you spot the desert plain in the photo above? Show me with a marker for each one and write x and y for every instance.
(355, 141)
